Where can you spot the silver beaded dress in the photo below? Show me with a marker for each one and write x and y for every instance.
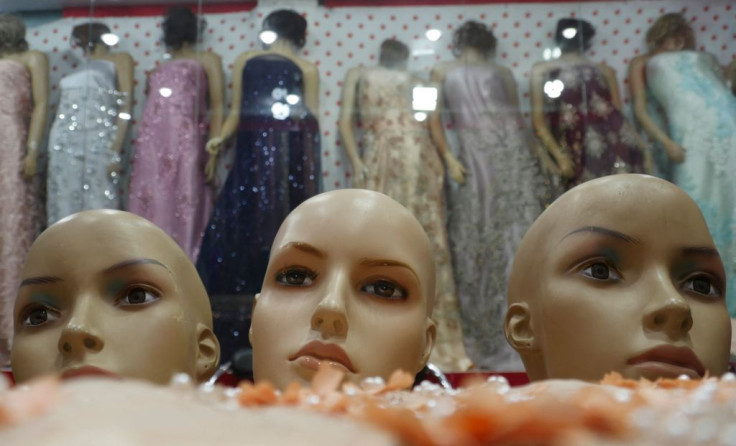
(80, 143)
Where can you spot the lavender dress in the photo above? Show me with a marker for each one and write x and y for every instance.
(492, 210)
(21, 209)
(167, 183)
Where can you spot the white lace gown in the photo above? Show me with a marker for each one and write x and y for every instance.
(80, 143)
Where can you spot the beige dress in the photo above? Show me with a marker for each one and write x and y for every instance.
(403, 163)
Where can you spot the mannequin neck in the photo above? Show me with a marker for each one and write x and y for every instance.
(99, 51)
(183, 52)
(572, 55)
(283, 46)
(472, 56)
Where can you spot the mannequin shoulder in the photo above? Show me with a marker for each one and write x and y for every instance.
(210, 61)
(122, 59)
(308, 68)
(34, 58)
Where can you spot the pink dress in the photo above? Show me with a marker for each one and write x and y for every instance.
(21, 209)
(167, 183)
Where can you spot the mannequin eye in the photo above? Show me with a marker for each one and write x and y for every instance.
(601, 271)
(385, 290)
(702, 285)
(294, 276)
(137, 296)
(39, 315)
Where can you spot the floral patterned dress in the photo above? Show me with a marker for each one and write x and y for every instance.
(403, 163)
(586, 123)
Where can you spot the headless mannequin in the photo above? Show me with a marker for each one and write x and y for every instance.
(365, 289)
(637, 83)
(124, 67)
(216, 79)
(283, 47)
(347, 114)
(133, 308)
(594, 290)
(470, 56)
(38, 66)
(571, 55)
(24, 95)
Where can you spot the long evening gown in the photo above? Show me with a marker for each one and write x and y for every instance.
(585, 122)
(21, 211)
(491, 211)
(403, 163)
(701, 114)
(167, 182)
(80, 143)
(276, 168)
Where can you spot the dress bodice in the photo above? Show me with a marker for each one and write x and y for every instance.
(15, 88)
(385, 100)
(475, 93)
(95, 73)
(179, 85)
(273, 87)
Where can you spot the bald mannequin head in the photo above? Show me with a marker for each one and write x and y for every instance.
(108, 291)
(619, 274)
(350, 281)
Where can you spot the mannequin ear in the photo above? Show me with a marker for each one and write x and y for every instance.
(431, 337)
(517, 327)
(252, 310)
(208, 352)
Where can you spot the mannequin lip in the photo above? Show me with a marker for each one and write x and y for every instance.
(325, 352)
(87, 370)
(669, 355)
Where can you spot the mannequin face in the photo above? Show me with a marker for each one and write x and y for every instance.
(620, 274)
(348, 282)
(672, 43)
(109, 292)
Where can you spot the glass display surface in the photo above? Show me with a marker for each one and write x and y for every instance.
(475, 116)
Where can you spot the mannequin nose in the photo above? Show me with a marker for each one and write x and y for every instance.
(79, 336)
(670, 312)
(329, 317)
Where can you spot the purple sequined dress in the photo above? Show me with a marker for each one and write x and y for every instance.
(491, 211)
(586, 124)
(21, 219)
(276, 167)
(167, 183)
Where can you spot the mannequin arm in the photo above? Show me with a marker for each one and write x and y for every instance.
(216, 90)
(345, 125)
(612, 81)
(540, 124)
(639, 99)
(437, 131)
(124, 69)
(38, 65)
(311, 89)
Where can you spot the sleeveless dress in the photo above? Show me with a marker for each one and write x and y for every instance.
(701, 114)
(276, 168)
(21, 219)
(80, 143)
(586, 124)
(403, 163)
(489, 214)
(167, 181)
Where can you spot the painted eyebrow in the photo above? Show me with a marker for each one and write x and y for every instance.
(387, 262)
(40, 280)
(701, 250)
(306, 248)
(132, 262)
(604, 231)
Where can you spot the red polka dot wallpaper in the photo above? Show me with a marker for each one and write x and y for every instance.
(344, 37)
